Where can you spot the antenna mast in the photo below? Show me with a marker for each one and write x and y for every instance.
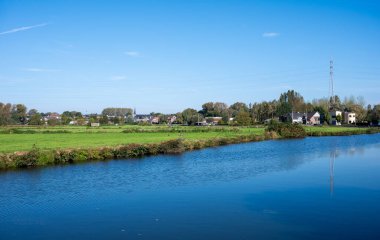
(331, 90)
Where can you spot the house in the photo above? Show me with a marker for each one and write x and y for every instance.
(293, 117)
(55, 116)
(349, 117)
(95, 124)
(335, 119)
(297, 117)
(203, 123)
(155, 120)
(313, 118)
(213, 120)
(141, 118)
(172, 119)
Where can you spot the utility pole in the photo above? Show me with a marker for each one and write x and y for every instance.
(331, 87)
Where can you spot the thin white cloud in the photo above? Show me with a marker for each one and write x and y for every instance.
(132, 53)
(270, 34)
(118, 78)
(19, 29)
(40, 70)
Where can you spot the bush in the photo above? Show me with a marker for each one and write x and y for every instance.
(28, 159)
(61, 157)
(286, 130)
(45, 158)
(106, 153)
(6, 161)
(172, 146)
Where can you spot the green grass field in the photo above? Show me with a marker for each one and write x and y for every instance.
(331, 129)
(82, 137)
(18, 138)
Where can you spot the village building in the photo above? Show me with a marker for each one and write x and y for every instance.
(313, 118)
(333, 118)
(293, 117)
(213, 120)
(349, 118)
(172, 119)
(155, 120)
(141, 118)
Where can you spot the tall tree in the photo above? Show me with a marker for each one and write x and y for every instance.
(220, 109)
(32, 111)
(335, 103)
(36, 119)
(243, 118)
(5, 113)
(19, 113)
(238, 107)
(294, 99)
(191, 116)
(208, 109)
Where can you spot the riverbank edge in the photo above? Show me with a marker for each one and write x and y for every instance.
(38, 158)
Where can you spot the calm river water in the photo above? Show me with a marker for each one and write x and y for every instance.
(314, 188)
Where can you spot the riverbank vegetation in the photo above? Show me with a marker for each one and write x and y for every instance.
(24, 147)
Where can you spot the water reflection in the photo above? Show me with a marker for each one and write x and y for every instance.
(332, 162)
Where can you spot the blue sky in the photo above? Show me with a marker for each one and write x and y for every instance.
(165, 56)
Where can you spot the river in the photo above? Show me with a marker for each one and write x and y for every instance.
(313, 188)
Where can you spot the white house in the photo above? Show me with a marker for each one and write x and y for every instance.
(333, 115)
(297, 117)
(349, 117)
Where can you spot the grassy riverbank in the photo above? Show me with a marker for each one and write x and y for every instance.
(38, 146)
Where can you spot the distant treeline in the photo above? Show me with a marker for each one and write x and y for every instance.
(238, 113)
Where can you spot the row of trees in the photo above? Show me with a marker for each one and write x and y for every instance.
(290, 101)
(241, 113)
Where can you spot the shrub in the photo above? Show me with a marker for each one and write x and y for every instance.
(172, 146)
(153, 149)
(45, 158)
(136, 150)
(106, 153)
(79, 155)
(28, 159)
(6, 161)
(94, 154)
(63, 156)
(286, 130)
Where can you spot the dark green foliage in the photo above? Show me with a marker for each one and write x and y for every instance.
(191, 116)
(5, 113)
(63, 156)
(105, 153)
(286, 130)
(28, 159)
(238, 107)
(172, 146)
(131, 151)
(36, 119)
(137, 150)
(243, 119)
